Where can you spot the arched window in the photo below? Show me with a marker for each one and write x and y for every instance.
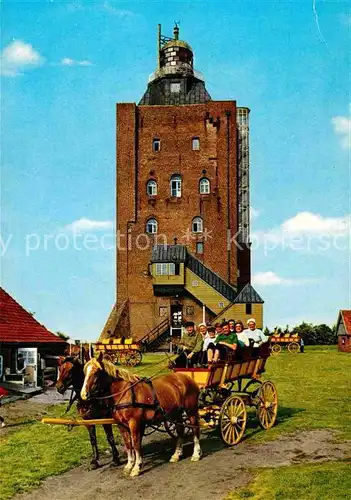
(176, 186)
(197, 225)
(205, 186)
(151, 188)
(151, 226)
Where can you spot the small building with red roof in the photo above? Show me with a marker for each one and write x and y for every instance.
(343, 330)
(23, 341)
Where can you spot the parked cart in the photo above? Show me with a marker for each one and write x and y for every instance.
(127, 353)
(291, 342)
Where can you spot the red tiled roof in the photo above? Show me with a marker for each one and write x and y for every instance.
(17, 325)
(346, 316)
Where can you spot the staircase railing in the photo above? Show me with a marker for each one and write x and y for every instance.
(156, 332)
(211, 278)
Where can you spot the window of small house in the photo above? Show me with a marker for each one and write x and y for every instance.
(197, 225)
(205, 186)
(156, 145)
(165, 269)
(151, 188)
(151, 226)
(189, 310)
(248, 308)
(195, 144)
(176, 186)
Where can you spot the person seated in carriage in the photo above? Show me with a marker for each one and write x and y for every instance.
(255, 334)
(190, 347)
(240, 333)
(225, 344)
(209, 343)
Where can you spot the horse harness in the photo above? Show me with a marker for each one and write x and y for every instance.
(137, 404)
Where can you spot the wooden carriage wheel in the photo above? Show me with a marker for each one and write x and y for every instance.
(114, 357)
(267, 406)
(122, 357)
(232, 420)
(133, 358)
(276, 349)
(293, 348)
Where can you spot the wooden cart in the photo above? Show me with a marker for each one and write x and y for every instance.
(291, 342)
(228, 388)
(128, 353)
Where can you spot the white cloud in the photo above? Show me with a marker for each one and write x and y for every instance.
(310, 223)
(67, 61)
(342, 128)
(19, 56)
(269, 278)
(84, 225)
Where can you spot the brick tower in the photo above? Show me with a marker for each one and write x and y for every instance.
(183, 239)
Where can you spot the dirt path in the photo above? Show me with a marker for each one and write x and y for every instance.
(220, 471)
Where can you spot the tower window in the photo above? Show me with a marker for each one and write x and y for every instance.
(248, 308)
(199, 247)
(151, 188)
(176, 186)
(197, 225)
(175, 88)
(156, 145)
(195, 144)
(205, 186)
(151, 226)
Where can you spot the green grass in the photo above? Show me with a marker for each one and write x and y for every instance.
(313, 390)
(327, 481)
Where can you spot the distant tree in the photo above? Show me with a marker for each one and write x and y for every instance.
(62, 335)
(316, 334)
(287, 329)
(266, 331)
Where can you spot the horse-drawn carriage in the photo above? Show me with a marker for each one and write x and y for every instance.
(127, 353)
(226, 389)
(291, 342)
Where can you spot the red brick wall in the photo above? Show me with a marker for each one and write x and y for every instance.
(346, 345)
(214, 124)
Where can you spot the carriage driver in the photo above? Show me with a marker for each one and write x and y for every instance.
(191, 345)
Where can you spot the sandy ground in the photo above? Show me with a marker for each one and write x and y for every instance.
(220, 471)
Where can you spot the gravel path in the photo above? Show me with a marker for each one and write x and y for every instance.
(220, 471)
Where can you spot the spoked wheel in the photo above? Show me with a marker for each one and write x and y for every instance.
(134, 358)
(267, 408)
(122, 357)
(276, 349)
(114, 357)
(293, 348)
(232, 420)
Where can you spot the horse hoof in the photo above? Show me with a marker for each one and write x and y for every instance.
(196, 458)
(128, 469)
(135, 473)
(95, 465)
(174, 459)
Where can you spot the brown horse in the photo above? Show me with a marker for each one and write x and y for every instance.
(138, 402)
(71, 374)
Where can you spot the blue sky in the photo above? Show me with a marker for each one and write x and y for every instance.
(65, 64)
